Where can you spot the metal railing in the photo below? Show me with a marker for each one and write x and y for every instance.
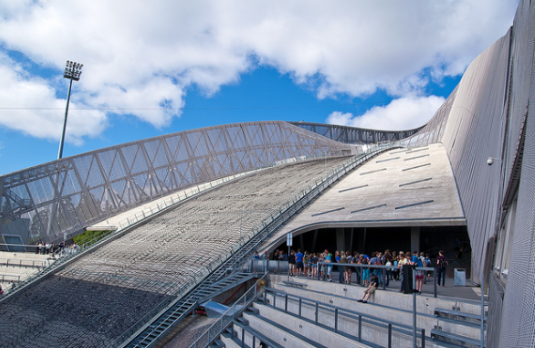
(282, 267)
(15, 278)
(338, 312)
(374, 267)
(230, 315)
(24, 262)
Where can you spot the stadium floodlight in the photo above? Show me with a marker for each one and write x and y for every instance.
(72, 72)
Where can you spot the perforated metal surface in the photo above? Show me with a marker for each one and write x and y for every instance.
(488, 115)
(59, 198)
(352, 135)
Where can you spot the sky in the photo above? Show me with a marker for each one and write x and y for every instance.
(163, 66)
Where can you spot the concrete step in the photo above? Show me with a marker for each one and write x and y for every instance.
(252, 337)
(381, 306)
(281, 325)
(217, 344)
(302, 285)
(459, 316)
(24, 256)
(455, 339)
(229, 341)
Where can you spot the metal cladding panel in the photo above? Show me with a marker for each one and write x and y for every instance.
(491, 114)
(518, 312)
(474, 132)
(353, 135)
(59, 198)
(433, 131)
(518, 319)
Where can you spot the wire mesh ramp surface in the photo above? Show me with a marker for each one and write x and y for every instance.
(122, 285)
(151, 333)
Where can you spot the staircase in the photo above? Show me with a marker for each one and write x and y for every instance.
(466, 320)
(176, 312)
(321, 314)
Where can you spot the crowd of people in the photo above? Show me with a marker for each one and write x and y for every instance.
(55, 249)
(317, 265)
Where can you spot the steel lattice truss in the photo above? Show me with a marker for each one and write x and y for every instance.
(352, 135)
(60, 198)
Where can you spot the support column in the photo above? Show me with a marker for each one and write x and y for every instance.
(361, 244)
(415, 238)
(350, 249)
(314, 241)
(340, 239)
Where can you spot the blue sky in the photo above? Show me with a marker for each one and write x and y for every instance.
(170, 66)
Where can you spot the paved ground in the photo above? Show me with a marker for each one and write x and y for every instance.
(463, 293)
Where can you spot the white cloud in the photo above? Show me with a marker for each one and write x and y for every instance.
(140, 55)
(42, 113)
(400, 114)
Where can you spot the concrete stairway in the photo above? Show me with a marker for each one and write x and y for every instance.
(16, 267)
(320, 314)
(460, 318)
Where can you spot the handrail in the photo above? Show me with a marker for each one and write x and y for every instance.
(337, 310)
(25, 262)
(231, 314)
(10, 275)
(356, 265)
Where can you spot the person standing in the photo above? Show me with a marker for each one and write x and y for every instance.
(306, 263)
(358, 271)
(376, 260)
(365, 270)
(314, 265)
(402, 261)
(442, 263)
(299, 262)
(339, 268)
(419, 273)
(291, 262)
(329, 259)
(428, 264)
(321, 269)
(349, 269)
(344, 269)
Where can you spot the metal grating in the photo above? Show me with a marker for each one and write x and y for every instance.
(328, 211)
(411, 158)
(373, 171)
(369, 208)
(388, 159)
(415, 182)
(414, 204)
(420, 166)
(58, 199)
(352, 188)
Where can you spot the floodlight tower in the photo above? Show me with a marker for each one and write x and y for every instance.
(72, 72)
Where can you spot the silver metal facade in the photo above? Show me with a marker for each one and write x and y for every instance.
(491, 115)
(357, 136)
(60, 198)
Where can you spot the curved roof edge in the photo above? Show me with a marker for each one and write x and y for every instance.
(354, 135)
(66, 195)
